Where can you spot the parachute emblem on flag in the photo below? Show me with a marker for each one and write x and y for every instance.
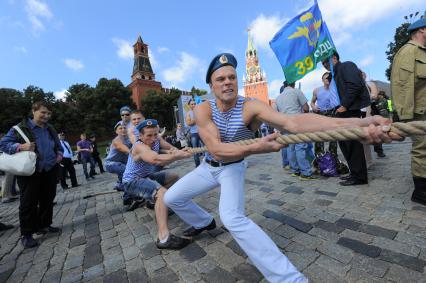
(310, 29)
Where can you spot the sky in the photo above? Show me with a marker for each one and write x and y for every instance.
(55, 44)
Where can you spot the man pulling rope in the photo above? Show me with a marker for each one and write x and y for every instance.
(229, 118)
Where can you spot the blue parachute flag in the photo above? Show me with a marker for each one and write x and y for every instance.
(302, 43)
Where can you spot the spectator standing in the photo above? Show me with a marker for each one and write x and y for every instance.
(38, 190)
(8, 188)
(324, 102)
(85, 149)
(181, 135)
(95, 153)
(66, 164)
(379, 106)
(353, 96)
(292, 101)
(408, 82)
(193, 129)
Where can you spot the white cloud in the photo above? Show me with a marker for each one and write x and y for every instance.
(73, 64)
(263, 29)
(60, 94)
(37, 12)
(185, 66)
(21, 49)
(162, 49)
(341, 15)
(366, 61)
(125, 49)
(274, 88)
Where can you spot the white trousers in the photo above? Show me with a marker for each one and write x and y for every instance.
(261, 250)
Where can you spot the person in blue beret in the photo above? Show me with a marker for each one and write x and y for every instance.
(125, 112)
(229, 118)
(408, 84)
(141, 178)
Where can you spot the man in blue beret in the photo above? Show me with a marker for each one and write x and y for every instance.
(408, 83)
(229, 118)
(142, 179)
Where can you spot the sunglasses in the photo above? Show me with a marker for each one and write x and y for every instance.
(127, 114)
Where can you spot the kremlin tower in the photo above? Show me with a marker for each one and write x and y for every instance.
(254, 81)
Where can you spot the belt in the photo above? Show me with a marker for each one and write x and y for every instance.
(219, 164)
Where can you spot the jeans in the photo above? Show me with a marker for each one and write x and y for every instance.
(298, 159)
(117, 168)
(84, 161)
(284, 156)
(258, 246)
(196, 142)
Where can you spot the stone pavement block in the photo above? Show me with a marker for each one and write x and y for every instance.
(51, 278)
(294, 190)
(113, 264)
(348, 224)
(119, 276)
(275, 202)
(325, 235)
(205, 265)
(248, 273)
(374, 267)
(411, 239)
(130, 253)
(360, 276)
(360, 247)
(192, 252)
(395, 246)
(286, 231)
(189, 274)
(307, 240)
(269, 223)
(218, 275)
(299, 225)
(300, 260)
(137, 276)
(149, 250)
(333, 266)
(318, 274)
(404, 260)
(223, 255)
(164, 275)
(215, 232)
(233, 245)
(400, 274)
(5, 274)
(377, 231)
(154, 263)
(73, 261)
(275, 215)
(365, 238)
(327, 226)
(323, 202)
(325, 193)
(335, 251)
(281, 242)
(266, 189)
(71, 275)
(93, 272)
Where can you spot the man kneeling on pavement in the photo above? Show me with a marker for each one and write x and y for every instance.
(142, 179)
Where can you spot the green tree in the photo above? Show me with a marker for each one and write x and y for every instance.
(33, 94)
(197, 91)
(14, 108)
(400, 38)
(159, 106)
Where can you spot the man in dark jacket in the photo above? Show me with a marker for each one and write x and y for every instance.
(353, 96)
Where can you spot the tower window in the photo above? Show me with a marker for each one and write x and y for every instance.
(143, 77)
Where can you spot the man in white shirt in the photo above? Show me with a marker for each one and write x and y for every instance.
(66, 163)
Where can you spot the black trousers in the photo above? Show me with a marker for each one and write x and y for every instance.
(36, 204)
(99, 161)
(67, 166)
(353, 151)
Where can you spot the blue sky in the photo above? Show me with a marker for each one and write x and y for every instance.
(54, 44)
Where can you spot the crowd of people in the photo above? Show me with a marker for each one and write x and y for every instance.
(138, 153)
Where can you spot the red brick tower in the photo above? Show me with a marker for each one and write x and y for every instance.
(254, 81)
(143, 78)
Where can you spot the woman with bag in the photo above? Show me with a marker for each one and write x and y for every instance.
(39, 189)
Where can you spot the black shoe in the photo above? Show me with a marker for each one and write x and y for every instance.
(191, 231)
(49, 229)
(4, 227)
(65, 187)
(28, 242)
(135, 204)
(92, 177)
(345, 178)
(75, 186)
(381, 154)
(418, 199)
(353, 182)
(127, 201)
(150, 205)
(173, 243)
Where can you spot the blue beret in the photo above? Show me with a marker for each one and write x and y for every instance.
(125, 108)
(223, 59)
(146, 123)
(119, 123)
(417, 24)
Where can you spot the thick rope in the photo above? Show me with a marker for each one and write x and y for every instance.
(403, 129)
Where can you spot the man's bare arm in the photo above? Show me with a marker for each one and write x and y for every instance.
(143, 152)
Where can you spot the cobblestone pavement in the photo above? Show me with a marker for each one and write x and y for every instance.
(371, 233)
